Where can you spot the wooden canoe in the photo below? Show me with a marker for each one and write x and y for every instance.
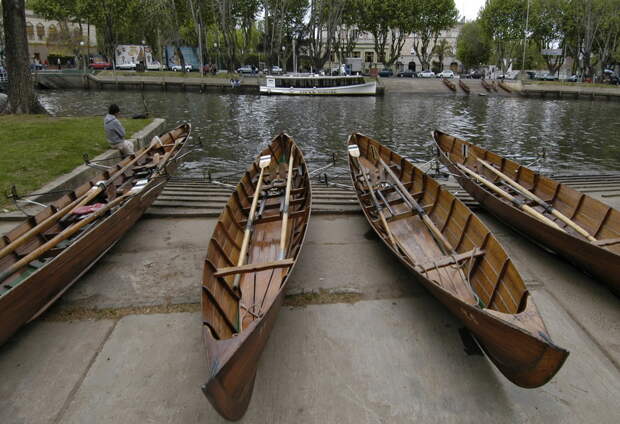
(131, 186)
(237, 322)
(474, 278)
(600, 256)
(464, 86)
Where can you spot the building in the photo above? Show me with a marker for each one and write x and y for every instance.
(365, 48)
(68, 39)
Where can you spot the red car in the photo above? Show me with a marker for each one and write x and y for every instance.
(100, 65)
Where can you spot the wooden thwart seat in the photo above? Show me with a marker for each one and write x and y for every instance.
(245, 269)
(449, 260)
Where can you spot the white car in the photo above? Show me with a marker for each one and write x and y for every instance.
(154, 66)
(126, 66)
(177, 68)
(427, 74)
(445, 74)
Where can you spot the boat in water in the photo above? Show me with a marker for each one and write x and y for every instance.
(457, 258)
(255, 245)
(318, 85)
(578, 227)
(45, 254)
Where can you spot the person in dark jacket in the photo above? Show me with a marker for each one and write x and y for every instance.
(115, 132)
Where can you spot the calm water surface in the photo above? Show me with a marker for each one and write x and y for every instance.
(576, 135)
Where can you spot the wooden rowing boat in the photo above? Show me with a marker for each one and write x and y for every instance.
(449, 84)
(453, 254)
(242, 294)
(45, 254)
(464, 86)
(582, 229)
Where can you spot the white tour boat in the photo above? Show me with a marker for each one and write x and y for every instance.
(346, 85)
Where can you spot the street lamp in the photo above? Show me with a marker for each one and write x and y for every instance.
(217, 56)
(82, 56)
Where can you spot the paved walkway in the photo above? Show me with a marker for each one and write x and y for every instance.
(124, 344)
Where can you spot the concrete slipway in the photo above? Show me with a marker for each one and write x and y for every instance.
(358, 342)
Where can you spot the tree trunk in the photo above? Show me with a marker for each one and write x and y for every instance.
(20, 85)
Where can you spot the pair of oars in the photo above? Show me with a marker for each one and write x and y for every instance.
(94, 191)
(66, 234)
(444, 245)
(548, 207)
(354, 151)
(526, 208)
(436, 232)
(263, 163)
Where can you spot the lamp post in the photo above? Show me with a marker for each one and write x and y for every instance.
(527, 17)
(283, 61)
(82, 56)
(217, 56)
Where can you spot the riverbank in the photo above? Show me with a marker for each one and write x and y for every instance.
(35, 149)
(250, 85)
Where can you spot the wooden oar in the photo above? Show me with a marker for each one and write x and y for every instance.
(94, 191)
(524, 191)
(354, 151)
(287, 196)
(263, 163)
(68, 232)
(447, 247)
(508, 196)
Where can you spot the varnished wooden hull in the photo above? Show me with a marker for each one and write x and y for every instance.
(232, 353)
(603, 263)
(41, 289)
(516, 341)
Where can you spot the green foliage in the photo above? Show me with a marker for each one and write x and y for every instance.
(473, 48)
(430, 18)
(35, 149)
(504, 23)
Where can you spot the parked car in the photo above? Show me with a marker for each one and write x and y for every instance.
(427, 74)
(178, 68)
(100, 65)
(126, 66)
(384, 73)
(155, 66)
(548, 76)
(406, 74)
(574, 78)
(245, 69)
(276, 70)
(474, 74)
(446, 74)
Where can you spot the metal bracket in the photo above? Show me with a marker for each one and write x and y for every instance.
(87, 162)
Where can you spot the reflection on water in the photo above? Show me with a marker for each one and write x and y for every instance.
(576, 135)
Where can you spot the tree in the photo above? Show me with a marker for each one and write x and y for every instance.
(389, 22)
(441, 50)
(432, 17)
(504, 23)
(22, 99)
(547, 24)
(473, 48)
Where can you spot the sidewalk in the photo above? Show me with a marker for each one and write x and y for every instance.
(124, 344)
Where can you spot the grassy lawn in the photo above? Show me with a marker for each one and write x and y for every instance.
(35, 149)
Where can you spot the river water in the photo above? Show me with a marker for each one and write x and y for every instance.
(577, 136)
